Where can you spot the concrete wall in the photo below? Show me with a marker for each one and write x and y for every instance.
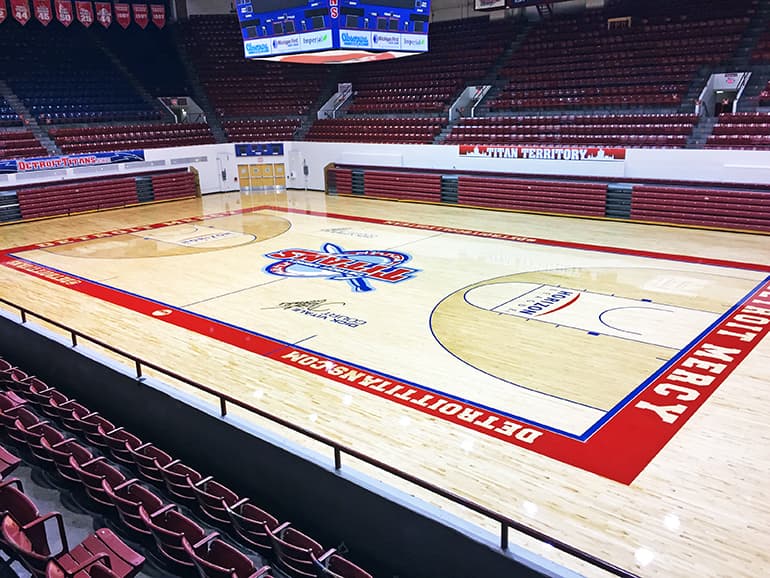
(386, 530)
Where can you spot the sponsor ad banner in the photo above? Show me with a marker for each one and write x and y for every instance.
(123, 14)
(385, 41)
(103, 13)
(595, 154)
(158, 13)
(64, 11)
(414, 42)
(70, 161)
(20, 11)
(355, 39)
(255, 48)
(259, 149)
(42, 10)
(3, 11)
(141, 16)
(85, 11)
(319, 40)
(489, 4)
(285, 44)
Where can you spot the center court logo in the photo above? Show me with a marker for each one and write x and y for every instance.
(332, 262)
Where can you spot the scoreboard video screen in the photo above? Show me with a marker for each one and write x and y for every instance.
(333, 31)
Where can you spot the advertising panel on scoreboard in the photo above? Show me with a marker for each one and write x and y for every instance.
(277, 29)
(489, 4)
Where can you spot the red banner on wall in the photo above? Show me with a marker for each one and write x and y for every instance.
(64, 11)
(103, 13)
(158, 12)
(595, 154)
(85, 11)
(3, 11)
(123, 14)
(141, 15)
(42, 10)
(20, 10)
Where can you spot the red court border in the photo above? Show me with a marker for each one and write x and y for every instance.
(618, 449)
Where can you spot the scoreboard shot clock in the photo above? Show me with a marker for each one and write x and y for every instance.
(333, 31)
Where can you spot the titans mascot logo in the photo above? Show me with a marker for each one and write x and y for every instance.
(357, 268)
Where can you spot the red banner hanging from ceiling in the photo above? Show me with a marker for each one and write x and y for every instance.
(42, 10)
(64, 11)
(85, 11)
(158, 12)
(123, 14)
(103, 13)
(20, 10)
(141, 16)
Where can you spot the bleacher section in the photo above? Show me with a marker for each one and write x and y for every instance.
(60, 76)
(147, 494)
(126, 137)
(262, 129)
(705, 205)
(68, 197)
(581, 62)
(237, 87)
(20, 144)
(743, 130)
(404, 130)
(8, 116)
(150, 56)
(461, 53)
(630, 130)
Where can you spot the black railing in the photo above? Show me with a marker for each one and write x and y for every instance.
(338, 449)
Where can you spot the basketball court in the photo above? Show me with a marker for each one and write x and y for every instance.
(604, 382)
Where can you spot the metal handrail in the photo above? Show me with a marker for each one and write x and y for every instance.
(505, 522)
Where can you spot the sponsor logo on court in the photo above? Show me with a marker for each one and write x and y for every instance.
(348, 232)
(544, 301)
(320, 309)
(357, 268)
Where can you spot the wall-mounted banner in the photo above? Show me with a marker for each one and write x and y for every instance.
(3, 11)
(600, 154)
(85, 12)
(43, 11)
(158, 13)
(103, 13)
(259, 150)
(20, 11)
(70, 161)
(141, 15)
(64, 11)
(123, 14)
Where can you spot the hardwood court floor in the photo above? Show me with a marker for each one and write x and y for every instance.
(605, 382)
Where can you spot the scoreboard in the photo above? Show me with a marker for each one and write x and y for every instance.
(333, 31)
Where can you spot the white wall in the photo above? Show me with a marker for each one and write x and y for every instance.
(720, 166)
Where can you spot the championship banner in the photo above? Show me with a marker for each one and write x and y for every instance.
(20, 10)
(43, 11)
(70, 161)
(140, 15)
(85, 12)
(3, 11)
(158, 12)
(123, 14)
(64, 11)
(103, 13)
(591, 154)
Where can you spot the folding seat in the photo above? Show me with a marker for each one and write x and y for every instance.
(214, 558)
(101, 554)
(335, 566)
(15, 503)
(120, 442)
(61, 452)
(92, 473)
(252, 524)
(295, 551)
(169, 528)
(10, 405)
(128, 497)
